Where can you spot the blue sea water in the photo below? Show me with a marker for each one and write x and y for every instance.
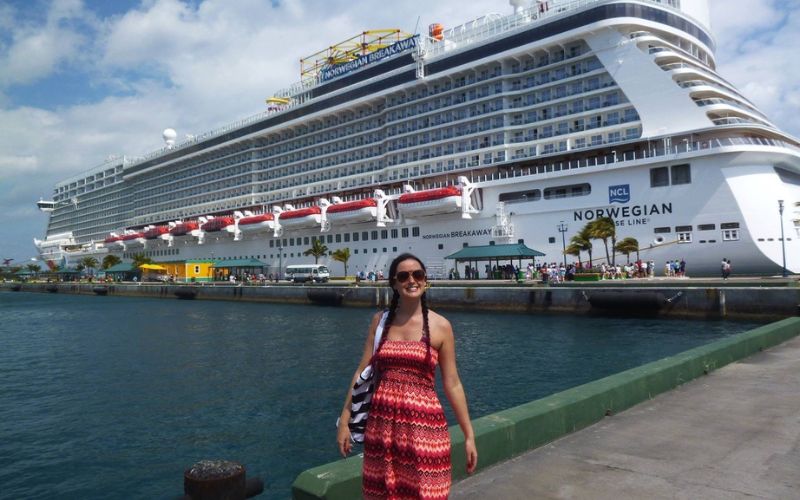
(108, 397)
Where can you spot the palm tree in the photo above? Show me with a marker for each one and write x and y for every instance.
(110, 261)
(603, 229)
(318, 249)
(140, 259)
(573, 249)
(342, 255)
(627, 246)
(34, 268)
(89, 263)
(584, 240)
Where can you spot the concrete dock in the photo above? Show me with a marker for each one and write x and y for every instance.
(732, 434)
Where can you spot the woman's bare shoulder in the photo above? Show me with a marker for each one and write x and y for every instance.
(439, 323)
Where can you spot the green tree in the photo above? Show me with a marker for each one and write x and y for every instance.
(583, 240)
(34, 268)
(574, 250)
(604, 229)
(342, 255)
(138, 260)
(110, 261)
(89, 263)
(627, 246)
(318, 249)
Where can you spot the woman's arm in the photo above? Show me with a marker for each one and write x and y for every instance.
(343, 433)
(455, 391)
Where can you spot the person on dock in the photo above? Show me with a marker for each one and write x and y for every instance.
(406, 442)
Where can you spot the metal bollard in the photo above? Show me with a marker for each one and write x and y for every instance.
(219, 480)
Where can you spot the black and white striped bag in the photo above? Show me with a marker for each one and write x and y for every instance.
(362, 392)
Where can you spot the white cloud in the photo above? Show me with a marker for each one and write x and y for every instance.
(36, 51)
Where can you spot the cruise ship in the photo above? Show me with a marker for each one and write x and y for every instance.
(522, 127)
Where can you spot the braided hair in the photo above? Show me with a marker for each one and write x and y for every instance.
(396, 299)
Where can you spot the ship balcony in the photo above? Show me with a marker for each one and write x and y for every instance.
(725, 108)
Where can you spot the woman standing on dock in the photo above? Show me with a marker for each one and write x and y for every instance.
(406, 443)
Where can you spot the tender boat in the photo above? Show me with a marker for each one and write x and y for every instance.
(430, 201)
(353, 211)
(301, 217)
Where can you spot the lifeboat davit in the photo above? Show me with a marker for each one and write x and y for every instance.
(431, 201)
(301, 217)
(252, 223)
(217, 224)
(353, 211)
(183, 228)
(155, 232)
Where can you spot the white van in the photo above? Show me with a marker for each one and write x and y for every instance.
(300, 273)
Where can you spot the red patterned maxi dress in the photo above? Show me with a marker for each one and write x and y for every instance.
(406, 444)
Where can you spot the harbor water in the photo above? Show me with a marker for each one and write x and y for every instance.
(109, 397)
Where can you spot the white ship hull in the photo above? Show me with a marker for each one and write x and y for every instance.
(547, 125)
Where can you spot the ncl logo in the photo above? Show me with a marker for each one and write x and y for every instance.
(619, 194)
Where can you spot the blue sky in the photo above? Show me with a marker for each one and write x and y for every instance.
(82, 80)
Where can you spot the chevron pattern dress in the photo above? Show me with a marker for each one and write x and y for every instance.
(407, 444)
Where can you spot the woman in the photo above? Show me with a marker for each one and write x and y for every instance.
(407, 444)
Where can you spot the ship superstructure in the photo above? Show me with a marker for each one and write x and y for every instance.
(497, 130)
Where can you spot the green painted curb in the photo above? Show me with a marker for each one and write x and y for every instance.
(508, 433)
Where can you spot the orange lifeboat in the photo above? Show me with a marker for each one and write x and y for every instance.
(301, 217)
(155, 232)
(259, 222)
(112, 239)
(430, 201)
(217, 224)
(183, 228)
(132, 238)
(353, 211)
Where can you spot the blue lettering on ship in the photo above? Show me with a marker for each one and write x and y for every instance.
(619, 194)
(342, 69)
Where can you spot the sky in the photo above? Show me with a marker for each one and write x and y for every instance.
(83, 80)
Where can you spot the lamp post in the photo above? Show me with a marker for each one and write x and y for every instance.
(562, 228)
(783, 241)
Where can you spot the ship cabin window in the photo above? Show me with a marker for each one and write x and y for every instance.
(659, 177)
(441, 246)
(365, 235)
(338, 238)
(683, 229)
(346, 237)
(662, 230)
(355, 251)
(374, 250)
(730, 231)
(330, 238)
(684, 237)
(551, 239)
(384, 234)
(415, 231)
(374, 235)
(394, 249)
(404, 232)
(730, 235)
(395, 233)
(305, 241)
(567, 191)
(521, 196)
(355, 236)
(706, 227)
(681, 174)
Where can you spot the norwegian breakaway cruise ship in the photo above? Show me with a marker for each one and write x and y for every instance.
(503, 129)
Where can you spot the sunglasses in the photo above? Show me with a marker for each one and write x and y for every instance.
(402, 276)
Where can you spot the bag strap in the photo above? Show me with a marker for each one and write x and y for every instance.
(379, 332)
